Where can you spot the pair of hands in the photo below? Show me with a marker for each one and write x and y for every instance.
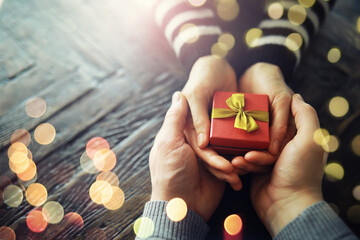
(278, 196)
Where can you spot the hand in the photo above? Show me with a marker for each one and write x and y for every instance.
(264, 78)
(209, 74)
(174, 168)
(295, 181)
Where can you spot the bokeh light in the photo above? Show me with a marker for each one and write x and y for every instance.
(252, 36)
(45, 133)
(35, 107)
(36, 194)
(13, 196)
(36, 221)
(192, 32)
(358, 24)
(95, 144)
(334, 172)
(117, 199)
(334, 55)
(109, 177)
(100, 192)
(228, 40)
(353, 214)
(306, 3)
(227, 10)
(197, 3)
(87, 164)
(356, 192)
(21, 135)
(73, 220)
(294, 41)
(53, 212)
(321, 136)
(233, 224)
(297, 14)
(104, 160)
(7, 233)
(275, 11)
(219, 49)
(331, 145)
(144, 227)
(29, 173)
(176, 209)
(355, 145)
(19, 162)
(17, 147)
(338, 106)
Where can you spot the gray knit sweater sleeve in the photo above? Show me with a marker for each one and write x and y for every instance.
(191, 227)
(318, 221)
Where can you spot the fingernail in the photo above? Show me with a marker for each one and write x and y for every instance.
(200, 139)
(176, 97)
(298, 97)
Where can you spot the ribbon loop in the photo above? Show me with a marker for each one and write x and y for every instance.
(244, 119)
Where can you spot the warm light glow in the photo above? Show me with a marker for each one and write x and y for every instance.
(21, 135)
(297, 14)
(307, 3)
(13, 196)
(275, 10)
(228, 10)
(104, 160)
(228, 40)
(109, 177)
(353, 214)
(294, 41)
(338, 106)
(233, 224)
(358, 24)
(334, 55)
(36, 194)
(321, 136)
(176, 209)
(100, 192)
(17, 147)
(334, 172)
(197, 3)
(332, 145)
(53, 212)
(192, 32)
(219, 49)
(19, 162)
(35, 107)
(356, 192)
(45, 133)
(144, 227)
(355, 145)
(29, 173)
(95, 144)
(7, 233)
(117, 199)
(36, 221)
(252, 36)
(73, 220)
(87, 164)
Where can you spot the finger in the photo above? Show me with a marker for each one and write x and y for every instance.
(260, 158)
(240, 171)
(232, 178)
(199, 104)
(306, 119)
(208, 155)
(175, 118)
(247, 166)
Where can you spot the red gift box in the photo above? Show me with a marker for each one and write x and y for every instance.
(225, 138)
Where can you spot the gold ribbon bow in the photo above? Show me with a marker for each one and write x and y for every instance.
(244, 119)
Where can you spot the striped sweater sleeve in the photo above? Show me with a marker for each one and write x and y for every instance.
(283, 30)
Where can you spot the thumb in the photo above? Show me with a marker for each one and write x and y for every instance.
(175, 118)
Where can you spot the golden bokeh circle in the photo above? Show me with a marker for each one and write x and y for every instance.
(104, 160)
(275, 10)
(219, 49)
(307, 3)
(143, 227)
(233, 224)
(109, 177)
(332, 144)
(13, 196)
(35, 107)
(53, 211)
(355, 145)
(252, 36)
(228, 40)
(176, 209)
(17, 147)
(356, 192)
(227, 10)
(87, 164)
(36, 194)
(334, 172)
(45, 133)
(29, 173)
(100, 192)
(197, 3)
(338, 106)
(294, 41)
(321, 136)
(21, 135)
(19, 162)
(297, 14)
(334, 55)
(95, 144)
(117, 199)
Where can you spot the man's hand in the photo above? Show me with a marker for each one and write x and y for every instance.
(174, 168)
(264, 78)
(295, 182)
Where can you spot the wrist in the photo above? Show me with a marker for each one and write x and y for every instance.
(286, 210)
